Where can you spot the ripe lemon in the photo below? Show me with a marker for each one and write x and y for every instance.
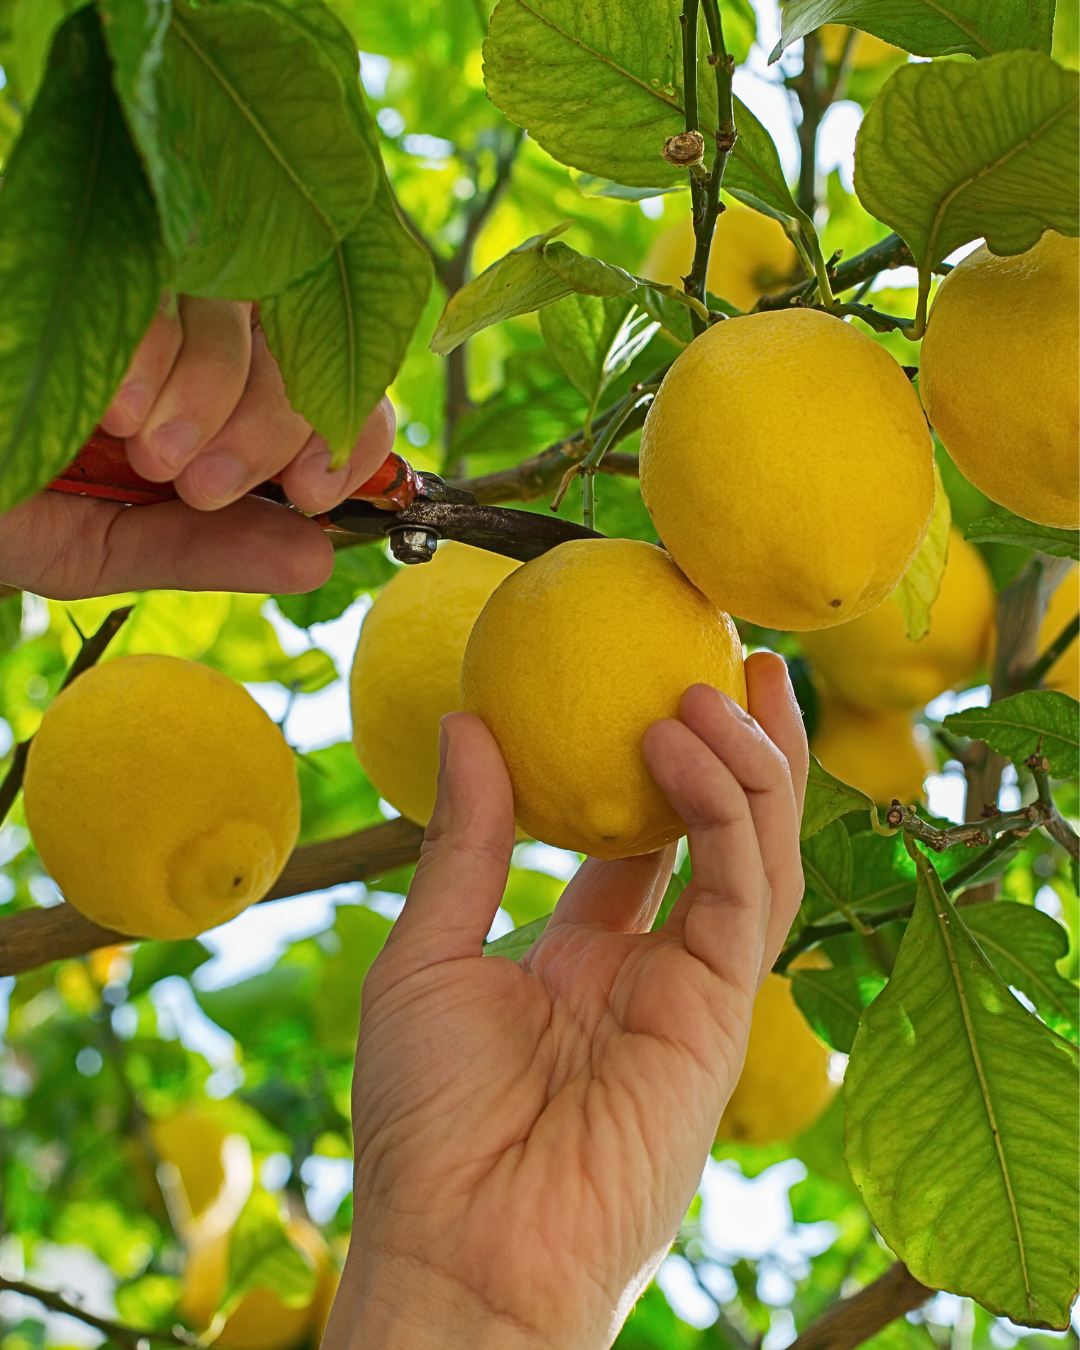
(875, 752)
(873, 664)
(261, 1320)
(213, 1168)
(161, 797)
(1064, 674)
(868, 50)
(998, 376)
(750, 256)
(785, 506)
(785, 1084)
(574, 656)
(407, 670)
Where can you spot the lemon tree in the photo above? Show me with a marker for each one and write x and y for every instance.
(591, 279)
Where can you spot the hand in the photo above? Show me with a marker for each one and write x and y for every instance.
(530, 1134)
(203, 405)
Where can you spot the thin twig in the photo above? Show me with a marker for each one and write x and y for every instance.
(974, 834)
(1060, 644)
(888, 253)
(89, 653)
(1055, 824)
(135, 1337)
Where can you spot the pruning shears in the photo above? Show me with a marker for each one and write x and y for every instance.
(412, 508)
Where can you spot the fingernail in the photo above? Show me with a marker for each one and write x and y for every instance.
(218, 477)
(736, 709)
(134, 398)
(323, 485)
(173, 443)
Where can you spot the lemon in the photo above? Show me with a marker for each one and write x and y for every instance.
(787, 468)
(868, 50)
(214, 1172)
(871, 662)
(875, 752)
(998, 376)
(573, 657)
(161, 797)
(261, 1320)
(785, 1083)
(1064, 674)
(750, 256)
(407, 670)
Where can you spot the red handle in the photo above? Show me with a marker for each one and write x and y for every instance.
(101, 469)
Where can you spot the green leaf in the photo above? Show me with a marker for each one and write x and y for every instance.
(599, 86)
(827, 799)
(960, 1125)
(530, 895)
(249, 138)
(827, 867)
(81, 264)
(832, 1001)
(1024, 947)
(262, 1256)
(1015, 726)
(927, 27)
(1009, 529)
(362, 934)
(952, 151)
(583, 333)
(341, 333)
(590, 186)
(336, 796)
(357, 571)
(514, 945)
(34, 24)
(246, 648)
(919, 586)
(10, 622)
(155, 961)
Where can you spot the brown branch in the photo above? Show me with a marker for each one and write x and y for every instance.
(974, 834)
(33, 937)
(134, 1337)
(1055, 824)
(850, 1321)
(888, 253)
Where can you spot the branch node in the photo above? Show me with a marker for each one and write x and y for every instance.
(685, 149)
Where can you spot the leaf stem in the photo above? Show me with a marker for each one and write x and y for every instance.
(1064, 639)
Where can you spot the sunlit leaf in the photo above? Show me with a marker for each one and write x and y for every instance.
(1024, 947)
(919, 586)
(361, 933)
(1016, 726)
(514, 945)
(1009, 529)
(827, 798)
(832, 1001)
(262, 1256)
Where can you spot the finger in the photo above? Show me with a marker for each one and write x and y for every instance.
(723, 914)
(314, 486)
(261, 437)
(775, 708)
(202, 389)
(103, 548)
(461, 875)
(147, 373)
(621, 896)
(764, 774)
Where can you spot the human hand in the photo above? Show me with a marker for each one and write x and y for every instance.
(529, 1134)
(203, 405)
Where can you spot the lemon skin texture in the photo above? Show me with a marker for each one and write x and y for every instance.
(788, 469)
(875, 752)
(784, 1086)
(869, 50)
(750, 256)
(1064, 674)
(575, 655)
(998, 376)
(160, 796)
(407, 670)
(873, 664)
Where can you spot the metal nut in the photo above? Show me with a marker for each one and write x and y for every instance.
(413, 544)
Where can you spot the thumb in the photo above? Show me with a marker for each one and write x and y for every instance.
(461, 875)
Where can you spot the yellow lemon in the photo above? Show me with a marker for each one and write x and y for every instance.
(261, 1320)
(573, 657)
(781, 507)
(1064, 674)
(407, 670)
(750, 256)
(213, 1172)
(875, 752)
(998, 376)
(784, 1085)
(868, 50)
(161, 797)
(873, 664)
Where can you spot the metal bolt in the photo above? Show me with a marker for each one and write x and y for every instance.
(413, 544)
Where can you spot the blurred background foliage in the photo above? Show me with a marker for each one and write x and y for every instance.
(98, 1049)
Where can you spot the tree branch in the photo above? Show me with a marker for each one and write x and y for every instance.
(1055, 824)
(1064, 640)
(850, 1321)
(133, 1337)
(33, 937)
(890, 252)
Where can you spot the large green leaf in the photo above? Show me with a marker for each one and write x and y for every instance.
(336, 796)
(599, 86)
(1024, 947)
(361, 933)
(832, 1001)
(960, 1125)
(262, 1256)
(827, 798)
(81, 264)
(953, 151)
(594, 338)
(928, 27)
(1016, 726)
(155, 961)
(514, 945)
(357, 571)
(258, 165)
(1010, 529)
(827, 867)
(919, 586)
